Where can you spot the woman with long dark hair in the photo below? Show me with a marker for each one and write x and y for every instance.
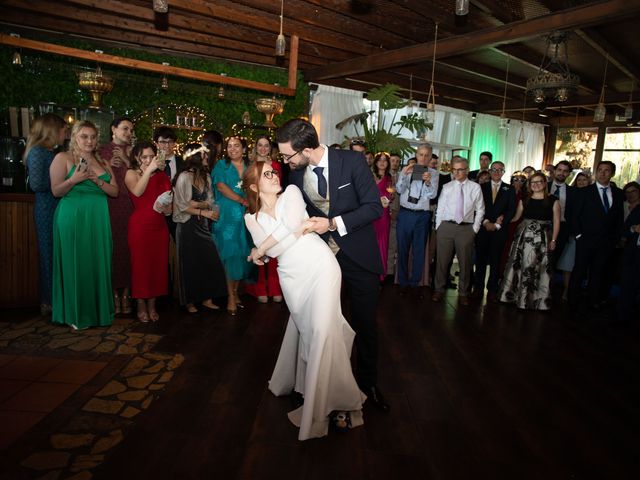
(229, 231)
(527, 278)
(148, 232)
(382, 226)
(314, 358)
(201, 273)
(82, 242)
(47, 133)
(117, 153)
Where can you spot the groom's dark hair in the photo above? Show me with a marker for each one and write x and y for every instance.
(300, 133)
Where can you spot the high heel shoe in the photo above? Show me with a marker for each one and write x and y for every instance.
(116, 302)
(238, 301)
(126, 305)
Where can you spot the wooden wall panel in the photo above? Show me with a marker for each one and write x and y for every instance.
(18, 252)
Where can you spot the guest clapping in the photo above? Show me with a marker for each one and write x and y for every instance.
(82, 295)
(148, 231)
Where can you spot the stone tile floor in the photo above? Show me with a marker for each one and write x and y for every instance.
(68, 397)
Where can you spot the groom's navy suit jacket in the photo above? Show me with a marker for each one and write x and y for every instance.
(354, 196)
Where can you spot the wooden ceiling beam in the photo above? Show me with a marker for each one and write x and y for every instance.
(256, 40)
(483, 71)
(241, 15)
(604, 48)
(104, 58)
(582, 16)
(334, 21)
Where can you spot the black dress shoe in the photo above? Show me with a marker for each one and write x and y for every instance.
(297, 400)
(374, 396)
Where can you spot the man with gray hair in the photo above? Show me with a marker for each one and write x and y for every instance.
(458, 220)
(417, 185)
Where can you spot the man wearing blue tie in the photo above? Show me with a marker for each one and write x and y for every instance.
(597, 223)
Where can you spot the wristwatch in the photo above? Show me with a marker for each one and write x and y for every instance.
(332, 225)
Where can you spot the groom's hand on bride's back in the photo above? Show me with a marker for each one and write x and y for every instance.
(318, 225)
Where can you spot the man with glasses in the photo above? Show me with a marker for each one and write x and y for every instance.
(165, 140)
(458, 219)
(565, 194)
(416, 190)
(499, 208)
(357, 146)
(343, 201)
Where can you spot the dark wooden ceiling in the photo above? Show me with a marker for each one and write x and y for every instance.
(361, 43)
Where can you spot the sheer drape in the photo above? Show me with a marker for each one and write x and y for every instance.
(332, 105)
(503, 144)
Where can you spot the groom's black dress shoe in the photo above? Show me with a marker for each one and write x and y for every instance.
(374, 396)
(297, 400)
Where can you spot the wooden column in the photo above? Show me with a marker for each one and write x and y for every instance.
(602, 133)
(550, 137)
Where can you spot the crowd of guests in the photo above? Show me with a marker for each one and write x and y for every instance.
(119, 225)
(117, 222)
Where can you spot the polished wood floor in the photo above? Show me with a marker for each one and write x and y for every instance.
(480, 392)
(476, 392)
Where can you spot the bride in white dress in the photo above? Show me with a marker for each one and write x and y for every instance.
(314, 358)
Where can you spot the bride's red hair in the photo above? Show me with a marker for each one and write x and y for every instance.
(252, 177)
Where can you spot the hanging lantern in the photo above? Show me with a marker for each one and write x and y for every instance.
(599, 113)
(462, 7)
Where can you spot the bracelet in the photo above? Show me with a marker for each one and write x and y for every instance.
(553, 240)
(101, 184)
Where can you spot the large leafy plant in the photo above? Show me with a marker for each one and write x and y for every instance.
(383, 137)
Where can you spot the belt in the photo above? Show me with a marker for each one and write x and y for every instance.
(456, 223)
(416, 210)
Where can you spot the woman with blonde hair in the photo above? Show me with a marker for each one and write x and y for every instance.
(47, 133)
(82, 243)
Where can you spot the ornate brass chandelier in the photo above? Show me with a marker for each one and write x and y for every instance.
(554, 81)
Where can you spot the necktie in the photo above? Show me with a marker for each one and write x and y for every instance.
(494, 192)
(167, 169)
(460, 206)
(605, 199)
(322, 182)
(557, 192)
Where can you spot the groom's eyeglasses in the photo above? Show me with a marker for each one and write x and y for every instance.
(269, 174)
(286, 158)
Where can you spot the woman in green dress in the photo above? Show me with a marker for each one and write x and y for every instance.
(82, 242)
(229, 232)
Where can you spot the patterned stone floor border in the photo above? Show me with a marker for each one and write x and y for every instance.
(102, 422)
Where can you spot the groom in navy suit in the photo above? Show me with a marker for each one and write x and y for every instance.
(343, 201)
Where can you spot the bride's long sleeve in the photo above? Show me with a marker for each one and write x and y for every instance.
(294, 212)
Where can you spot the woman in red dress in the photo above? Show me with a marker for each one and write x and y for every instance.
(148, 232)
(116, 153)
(382, 226)
(268, 283)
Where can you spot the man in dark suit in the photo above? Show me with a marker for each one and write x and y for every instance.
(566, 195)
(500, 206)
(485, 160)
(343, 201)
(165, 140)
(630, 278)
(597, 219)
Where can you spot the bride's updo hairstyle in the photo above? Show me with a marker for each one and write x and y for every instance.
(252, 177)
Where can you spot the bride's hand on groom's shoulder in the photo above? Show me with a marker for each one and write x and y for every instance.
(319, 225)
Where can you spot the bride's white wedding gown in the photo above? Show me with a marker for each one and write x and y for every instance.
(315, 354)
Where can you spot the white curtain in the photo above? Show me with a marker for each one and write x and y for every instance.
(330, 106)
(503, 143)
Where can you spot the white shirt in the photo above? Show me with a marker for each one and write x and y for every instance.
(473, 203)
(562, 196)
(609, 193)
(324, 163)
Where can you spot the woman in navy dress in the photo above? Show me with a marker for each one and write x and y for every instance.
(47, 133)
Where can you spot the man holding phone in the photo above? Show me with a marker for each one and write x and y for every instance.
(417, 185)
